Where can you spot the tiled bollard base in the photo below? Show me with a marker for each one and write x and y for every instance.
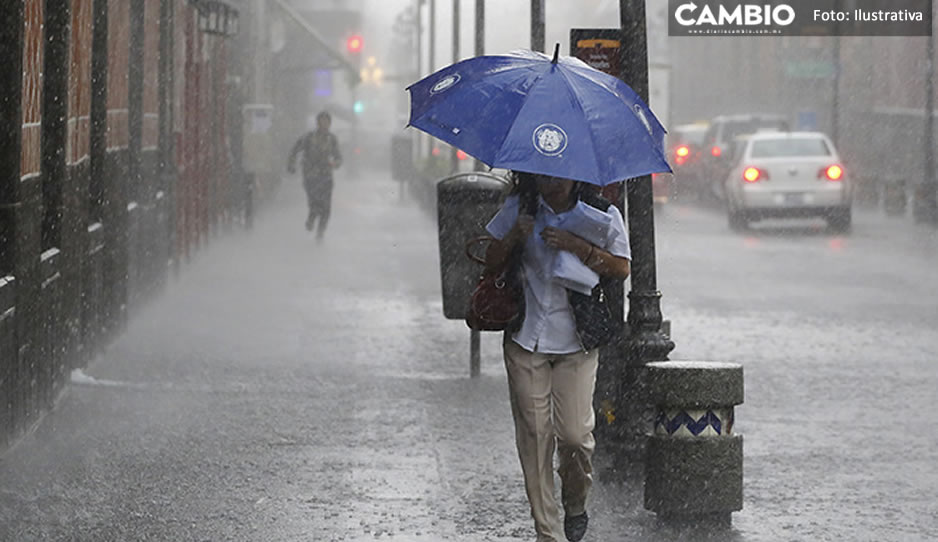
(694, 467)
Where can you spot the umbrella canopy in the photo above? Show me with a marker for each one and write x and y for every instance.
(527, 112)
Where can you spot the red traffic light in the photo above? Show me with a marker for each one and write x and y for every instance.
(354, 44)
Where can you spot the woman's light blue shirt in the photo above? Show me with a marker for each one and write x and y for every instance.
(548, 325)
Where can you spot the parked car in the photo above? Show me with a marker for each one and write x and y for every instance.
(787, 174)
(685, 148)
(723, 130)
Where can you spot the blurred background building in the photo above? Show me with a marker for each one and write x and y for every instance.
(868, 93)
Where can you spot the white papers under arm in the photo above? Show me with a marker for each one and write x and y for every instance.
(589, 223)
(571, 273)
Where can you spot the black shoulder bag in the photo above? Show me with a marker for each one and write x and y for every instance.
(595, 323)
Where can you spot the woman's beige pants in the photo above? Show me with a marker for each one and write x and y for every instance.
(552, 396)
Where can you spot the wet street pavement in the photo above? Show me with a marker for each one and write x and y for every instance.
(286, 390)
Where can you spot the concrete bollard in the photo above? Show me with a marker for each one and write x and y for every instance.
(694, 466)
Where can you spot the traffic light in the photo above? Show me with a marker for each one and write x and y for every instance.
(354, 44)
(358, 107)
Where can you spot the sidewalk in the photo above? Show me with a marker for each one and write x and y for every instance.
(284, 390)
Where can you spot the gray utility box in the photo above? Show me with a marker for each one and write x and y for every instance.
(465, 204)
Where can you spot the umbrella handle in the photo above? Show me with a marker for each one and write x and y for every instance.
(476, 241)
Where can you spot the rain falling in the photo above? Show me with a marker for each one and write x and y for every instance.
(468, 270)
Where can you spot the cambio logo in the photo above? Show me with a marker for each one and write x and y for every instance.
(741, 15)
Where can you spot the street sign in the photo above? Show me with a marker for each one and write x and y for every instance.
(598, 47)
(602, 54)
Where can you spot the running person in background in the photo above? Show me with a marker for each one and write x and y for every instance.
(321, 155)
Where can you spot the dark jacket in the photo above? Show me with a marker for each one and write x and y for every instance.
(320, 154)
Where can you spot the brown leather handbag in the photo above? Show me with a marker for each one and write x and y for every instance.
(496, 300)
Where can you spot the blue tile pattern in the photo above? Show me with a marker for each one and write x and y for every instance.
(694, 423)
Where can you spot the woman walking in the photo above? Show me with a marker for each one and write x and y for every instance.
(551, 352)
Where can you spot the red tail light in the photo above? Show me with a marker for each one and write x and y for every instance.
(832, 173)
(682, 151)
(716, 151)
(754, 174)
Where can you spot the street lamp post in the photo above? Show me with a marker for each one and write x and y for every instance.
(645, 341)
(537, 25)
(454, 159)
(480, 50)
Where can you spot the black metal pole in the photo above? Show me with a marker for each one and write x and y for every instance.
(11, 138)
(99, 73)
(930, 190)
(21, 208)
(235, 129)
(645, 341)
(455, 31)
(835, 100)
(11, 111)
(537, 25)
(417, 136)
(163, 85)
(54, 117)
(431, 58)
(480, 28)
(135, 75)
(419, 31)
(480, 50)
(454, 158)
(165, 143)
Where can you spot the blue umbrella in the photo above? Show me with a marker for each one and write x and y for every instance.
(527, 112)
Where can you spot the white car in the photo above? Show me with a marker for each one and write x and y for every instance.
(787, 174)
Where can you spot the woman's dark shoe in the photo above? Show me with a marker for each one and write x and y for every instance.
(574, 527)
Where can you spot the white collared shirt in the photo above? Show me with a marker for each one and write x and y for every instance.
(548, 325)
